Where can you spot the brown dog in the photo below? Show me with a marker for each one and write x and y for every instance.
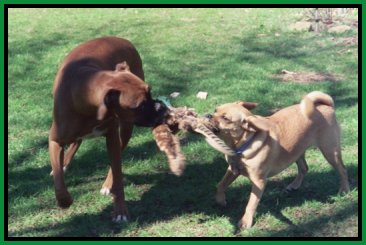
(99, 91)
(265, 146)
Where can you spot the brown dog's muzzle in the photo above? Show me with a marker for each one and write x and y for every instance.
(150, 113)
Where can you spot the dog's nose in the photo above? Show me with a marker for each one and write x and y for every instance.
(208, 116)
(160, 107)
(161, 111)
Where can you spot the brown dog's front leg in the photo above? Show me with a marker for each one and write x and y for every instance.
(258, 186)
(63, 197)
(117, 190)
(125, 133)
(70, 154)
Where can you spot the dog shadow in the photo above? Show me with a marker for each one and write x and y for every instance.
(169, 196)
(193, 193)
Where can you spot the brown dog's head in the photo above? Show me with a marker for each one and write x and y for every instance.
(129, 97)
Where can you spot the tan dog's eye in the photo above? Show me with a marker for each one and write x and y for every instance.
(225, 119)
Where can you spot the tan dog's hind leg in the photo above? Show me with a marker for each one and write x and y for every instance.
(258, 186)
(302, 168)
(228, 178)
(70, 154)
(329, 145)
(335, 159)
(332, 153)
(125, 134)
(63, 197)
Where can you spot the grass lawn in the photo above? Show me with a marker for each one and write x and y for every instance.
(232, 54)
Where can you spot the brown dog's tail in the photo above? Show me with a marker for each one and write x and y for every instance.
(309, 101)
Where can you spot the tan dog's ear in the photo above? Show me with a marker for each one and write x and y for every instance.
(259, 123)
(110, 102)
(122, 66)
(247, 105)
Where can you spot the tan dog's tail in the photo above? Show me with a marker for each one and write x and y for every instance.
(307, 104)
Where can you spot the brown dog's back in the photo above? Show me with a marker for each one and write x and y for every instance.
(108, 51)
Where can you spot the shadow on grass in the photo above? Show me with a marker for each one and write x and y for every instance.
(192, 193)
(27, 155)
(27, 181)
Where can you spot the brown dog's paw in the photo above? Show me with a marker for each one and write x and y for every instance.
(64, 168)
(221, 199)
(105, 191)
(120, 218)
(120, 213)
(64, 201)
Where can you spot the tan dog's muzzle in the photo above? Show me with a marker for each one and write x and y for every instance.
(209, 123)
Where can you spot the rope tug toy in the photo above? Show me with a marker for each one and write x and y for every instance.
(183, 118)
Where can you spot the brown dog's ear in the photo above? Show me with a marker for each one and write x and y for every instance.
(122, 66)
(110, 102)
(259, 123)
(247, 105)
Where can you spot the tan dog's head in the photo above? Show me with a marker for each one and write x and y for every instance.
(230, 119)
(234, 121)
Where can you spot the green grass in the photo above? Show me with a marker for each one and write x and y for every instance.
(230, 53)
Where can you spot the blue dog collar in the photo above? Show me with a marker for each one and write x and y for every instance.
(244, 146)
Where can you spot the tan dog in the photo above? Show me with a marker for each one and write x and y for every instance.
(99, 91)
(271, 144)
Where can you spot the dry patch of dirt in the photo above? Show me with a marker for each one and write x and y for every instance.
(306, 77)
(347, 41)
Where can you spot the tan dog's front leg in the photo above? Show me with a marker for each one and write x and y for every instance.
(258, 186)
(125, 133)
(63, 197)
(228, 178)
(117, 190)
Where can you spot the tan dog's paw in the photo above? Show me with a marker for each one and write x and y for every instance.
(105, 191)
(245, 224)
(344, 189)
(293, 186)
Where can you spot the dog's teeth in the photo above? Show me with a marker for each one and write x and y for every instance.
(124, 218)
